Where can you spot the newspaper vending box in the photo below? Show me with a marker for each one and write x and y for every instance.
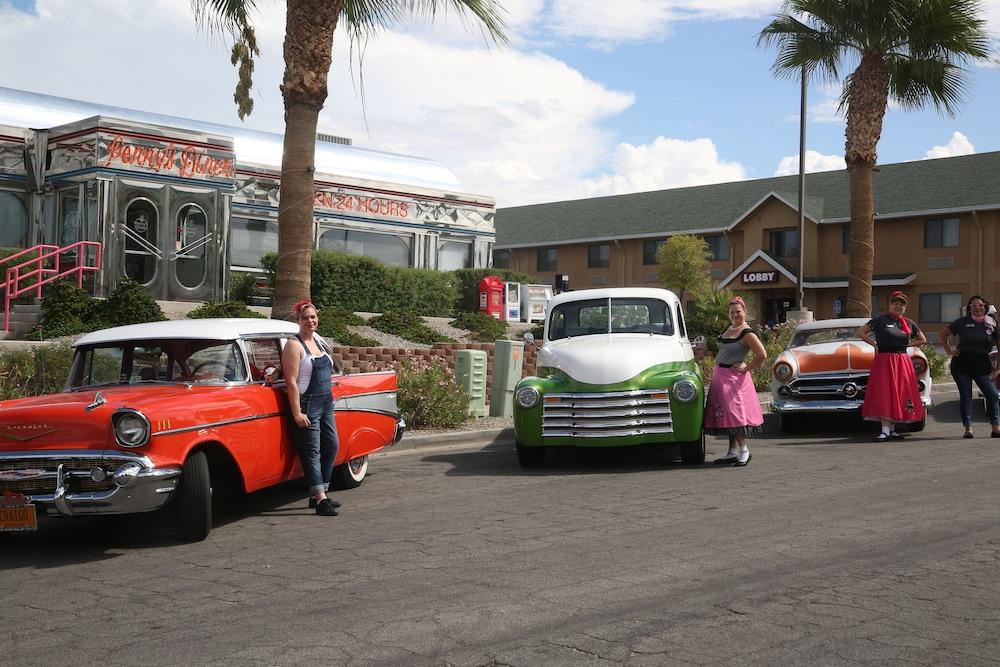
(512, 302)
(533, 300)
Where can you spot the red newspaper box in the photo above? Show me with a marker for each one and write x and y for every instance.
(491, 296)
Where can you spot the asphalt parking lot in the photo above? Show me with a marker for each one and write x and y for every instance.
(828, 548)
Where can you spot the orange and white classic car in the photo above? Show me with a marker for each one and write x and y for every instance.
(825, 370)
(158, 415)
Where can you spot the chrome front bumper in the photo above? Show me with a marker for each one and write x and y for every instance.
(781, 405)
(400, 430)
(133, 483)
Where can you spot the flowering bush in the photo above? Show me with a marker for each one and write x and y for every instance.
(428, 396)
(775, 340)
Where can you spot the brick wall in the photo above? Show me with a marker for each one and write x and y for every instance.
(358, 359)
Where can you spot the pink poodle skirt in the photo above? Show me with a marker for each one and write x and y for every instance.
(892, 393)
(733, 407)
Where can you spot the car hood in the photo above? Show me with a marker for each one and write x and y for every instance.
(611, 358)
(82, 419)
(833, 357)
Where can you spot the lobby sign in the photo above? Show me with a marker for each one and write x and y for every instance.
(759, 277)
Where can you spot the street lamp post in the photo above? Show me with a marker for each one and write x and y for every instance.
(801, 314)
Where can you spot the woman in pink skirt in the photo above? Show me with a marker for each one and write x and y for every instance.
(893, 395)
(733, 408)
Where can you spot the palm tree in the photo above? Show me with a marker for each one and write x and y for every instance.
(911, 50)
(308, 51)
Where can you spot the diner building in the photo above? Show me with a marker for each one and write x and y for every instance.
(178, 204)
(937, 237)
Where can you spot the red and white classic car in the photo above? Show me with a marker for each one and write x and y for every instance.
(825, 370)
(155, 415)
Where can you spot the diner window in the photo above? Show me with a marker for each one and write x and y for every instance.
(944, 307)
(598, 256)
(784, 243)
(389, 249)
(13, 220)
(250, 240)
(547, 259)
(941, 233)
(718, 246)
(501, 259)
(454, 255)
(649, 249)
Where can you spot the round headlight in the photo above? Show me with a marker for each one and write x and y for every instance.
(131, 428)
(527, 397)
(685, 391)
(782, 371)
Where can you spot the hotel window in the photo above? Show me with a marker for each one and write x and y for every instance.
(501, 259)
(649, 249)
(845, 239)
(785, 243)
(941, 233)
(718, 246)
(944, 307)
(598, 256)
(547, 259)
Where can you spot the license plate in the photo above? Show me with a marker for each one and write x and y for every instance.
(21, 517)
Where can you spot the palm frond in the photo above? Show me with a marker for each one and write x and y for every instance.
(365, 18)
(232, 17)
(914, 83)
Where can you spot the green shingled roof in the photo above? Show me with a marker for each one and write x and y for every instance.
(965, 182)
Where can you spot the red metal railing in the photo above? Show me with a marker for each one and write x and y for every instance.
(46, 268)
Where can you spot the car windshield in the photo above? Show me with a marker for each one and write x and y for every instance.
(166, 361)
(832, 334)
(601, 316)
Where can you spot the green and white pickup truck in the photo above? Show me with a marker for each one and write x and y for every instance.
(616, 369)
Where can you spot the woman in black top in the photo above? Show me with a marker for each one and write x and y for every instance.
(977, 333)
(892, 395)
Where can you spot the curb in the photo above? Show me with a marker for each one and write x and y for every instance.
(495, 437)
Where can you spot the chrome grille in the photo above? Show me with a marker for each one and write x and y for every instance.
(828, 386)
(76, 468)
(606, 415)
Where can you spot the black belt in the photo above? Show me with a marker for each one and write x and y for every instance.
(725, 365)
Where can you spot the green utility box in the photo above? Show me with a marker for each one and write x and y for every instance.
(470, 373)
(508, 360)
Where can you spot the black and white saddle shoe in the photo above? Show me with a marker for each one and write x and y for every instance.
(725, 460)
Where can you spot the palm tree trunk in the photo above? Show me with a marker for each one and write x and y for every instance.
(867, 97)
(308, 51)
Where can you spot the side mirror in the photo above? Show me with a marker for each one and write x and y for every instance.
(699, 342)
(529, 338)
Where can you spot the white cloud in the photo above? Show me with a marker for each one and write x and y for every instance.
(517, 126)
(610, 23)
(665, 163)
(815, 161)
(958, 145)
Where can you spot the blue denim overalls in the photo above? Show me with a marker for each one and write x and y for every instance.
(317, 443)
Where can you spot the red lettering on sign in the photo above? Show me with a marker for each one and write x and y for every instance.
(359, 204)
(193, 161)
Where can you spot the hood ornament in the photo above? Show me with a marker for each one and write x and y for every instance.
(99, 400)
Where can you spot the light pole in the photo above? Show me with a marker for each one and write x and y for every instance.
(802, 191)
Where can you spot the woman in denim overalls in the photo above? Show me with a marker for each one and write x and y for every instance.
(308, 370)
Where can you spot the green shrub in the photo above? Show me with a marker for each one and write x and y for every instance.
(538, 331)
(428, 396)
(243, 287)
(128, 303)
(707, 367)
(408, 325)
(35, 371)
(333, 323)
(775, 340)
(362, 284)
(937, 362)
(709, 316)
(484, 328)
(222, 309)
(468, 285)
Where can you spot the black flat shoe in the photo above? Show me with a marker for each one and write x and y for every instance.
(881, 437)
(325, 508)
(969, 436)
(725, 460)
(312, 502)
(896, 436)
(740, 464)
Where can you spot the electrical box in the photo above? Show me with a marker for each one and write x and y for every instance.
(508, 361)
(470, 373)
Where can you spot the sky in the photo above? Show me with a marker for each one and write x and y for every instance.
(588, 98)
